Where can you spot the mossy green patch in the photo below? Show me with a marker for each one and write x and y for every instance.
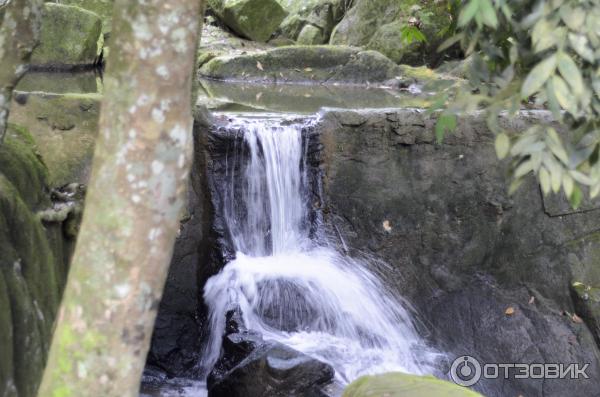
(404, 385)
(103, 8)
(21, 164)
(254, 19)
(30, 282)
(69, 37)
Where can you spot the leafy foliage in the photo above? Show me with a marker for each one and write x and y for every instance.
(535, 54)
(410, 34)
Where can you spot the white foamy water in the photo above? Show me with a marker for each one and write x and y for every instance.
(294, 290)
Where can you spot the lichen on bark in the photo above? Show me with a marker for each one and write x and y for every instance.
(140, 169)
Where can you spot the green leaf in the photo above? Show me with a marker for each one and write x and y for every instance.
(580, 44)
(446, 122)
(538, 76)
(545, 182)
(568, 184)
(563, 95)
(576, 197)
(574, 18)
(468, 12)
(502, 145)
(488, 13)
(523, 169)
(594, 191)
(570, 72)
(514, 186)
(581, 177)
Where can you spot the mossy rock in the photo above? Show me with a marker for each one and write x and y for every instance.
(322, 14)
(70, 37)
(21, 164)
(65, 129)
(103, 8)
(304, 64)
(404, 385)
(378, 24)
(254, 19)
(30, 284)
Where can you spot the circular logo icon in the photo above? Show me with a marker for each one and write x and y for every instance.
(465, 371)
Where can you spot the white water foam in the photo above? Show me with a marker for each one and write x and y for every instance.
(294, 290)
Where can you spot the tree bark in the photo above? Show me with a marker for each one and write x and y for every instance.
(136, 192)
(19, 33)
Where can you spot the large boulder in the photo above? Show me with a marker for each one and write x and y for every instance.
(302, 64)
(33, 265)
(379, 24)
(70, 37)
(312, 21)
(398, 384)
(103, 8)
(65, 127)
(254, 19)
(252, 367)
(489, 274)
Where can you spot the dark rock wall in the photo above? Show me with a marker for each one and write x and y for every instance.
(461, 249)
(179, 329)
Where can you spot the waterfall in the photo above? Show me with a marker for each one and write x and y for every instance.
(291, 288)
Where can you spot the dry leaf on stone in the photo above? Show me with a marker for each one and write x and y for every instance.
(259, 66)
(509, 311)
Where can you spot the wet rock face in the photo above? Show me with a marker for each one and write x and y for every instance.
(70, 37)
(252, 367)
(462, 251)
(178, 331)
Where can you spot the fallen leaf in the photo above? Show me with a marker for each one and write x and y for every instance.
(308, 69)
(386, 226)
(281, 74)
(258, 96)
(576, 319)
(509, 311)
(532, 300)
(259, 65)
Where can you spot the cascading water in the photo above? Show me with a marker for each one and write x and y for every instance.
(293, 289)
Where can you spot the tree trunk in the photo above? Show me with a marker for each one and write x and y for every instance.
(19, 33)
(136, 192)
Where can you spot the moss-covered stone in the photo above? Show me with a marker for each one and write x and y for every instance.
(30, 285)
(70, 37)
(398, 384)
(254, 19)
(103, 8)
(323, 14)
(22, 166)
(587, 302)
(310, 35)
(64, 128)
(299, 64)
(378, 24)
